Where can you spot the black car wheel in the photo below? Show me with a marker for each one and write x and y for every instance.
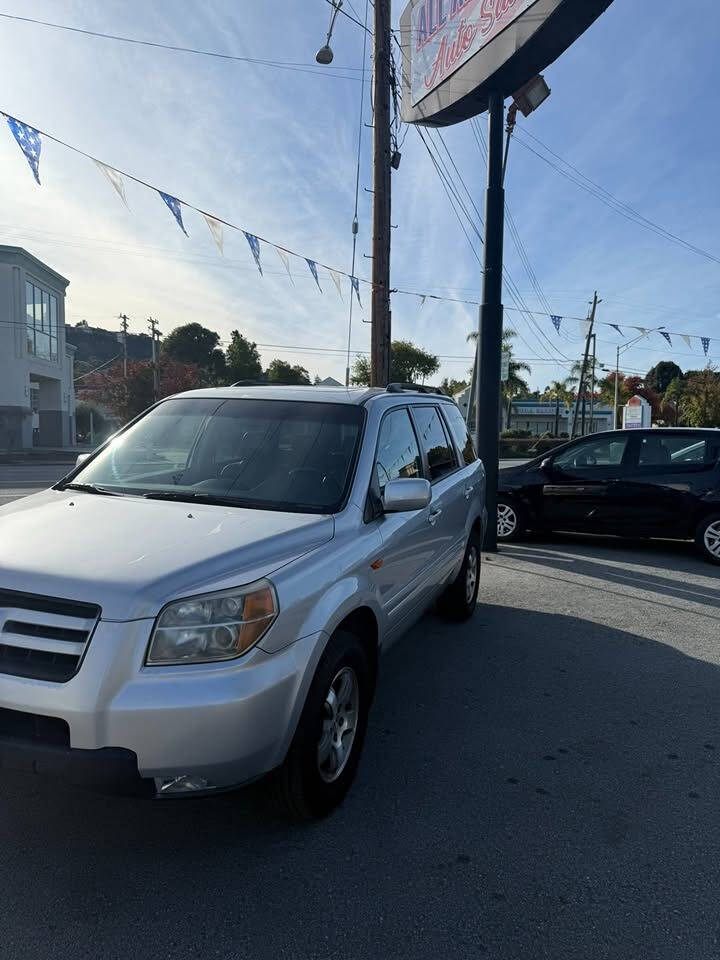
(707, 537)
(459, 600)
(509, 520)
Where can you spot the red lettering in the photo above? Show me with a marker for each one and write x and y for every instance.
(449, 55)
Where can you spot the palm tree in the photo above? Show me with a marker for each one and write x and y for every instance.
(515, 384)
(558, 391)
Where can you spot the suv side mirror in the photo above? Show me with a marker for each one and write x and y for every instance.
(82, 457)
(546, 465)
(402, 495)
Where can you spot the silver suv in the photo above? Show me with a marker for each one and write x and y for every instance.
(204, 600)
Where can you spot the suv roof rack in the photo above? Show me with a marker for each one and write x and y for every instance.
(414, 388)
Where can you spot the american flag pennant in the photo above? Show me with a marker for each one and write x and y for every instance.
(666, 335)
(616, 327)
(216, 229)
(356, 288)
(706, 344)
(313, 271)
(337, 280)
(285, 262)
(556, 322)
(254, 245)
(175, 208)
(686, 338)
(115, 179)
(28, 139)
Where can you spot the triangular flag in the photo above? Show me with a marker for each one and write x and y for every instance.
(666, 335)
(356, 288)
(616, 327)
(556, 322)
(254, 245)
(422, 301)
(584, 327)
(686, 338)
(313, 271)
(28, 140)
(337, 280)
(706, 344)
(286, 263)
(216, 229)
(643, 330)
(175, 208)
(115, 179)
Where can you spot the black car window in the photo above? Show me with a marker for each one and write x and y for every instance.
(594, 452)
(440, 454)
(398, 454)
(460, 432)
(677, 450)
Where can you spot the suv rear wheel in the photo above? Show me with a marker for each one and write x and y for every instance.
(707, 537)
(325, 752)
(459, 600)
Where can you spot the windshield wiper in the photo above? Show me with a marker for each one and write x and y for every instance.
(209, 498)
(89, 488)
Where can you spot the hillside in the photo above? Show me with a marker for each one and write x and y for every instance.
(96, 346)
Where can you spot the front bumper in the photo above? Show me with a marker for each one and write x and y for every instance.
(226, 723)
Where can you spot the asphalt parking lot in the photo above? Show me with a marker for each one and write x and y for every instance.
(540, 782)
(23, 478)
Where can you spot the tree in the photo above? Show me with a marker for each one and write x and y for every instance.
(242, 360)
(125, 399)
(453, 387)
(558, 392)
(515, 384)
(280, 371)
(408, 364)
(661, 375)
(192, 343)
(702, 400)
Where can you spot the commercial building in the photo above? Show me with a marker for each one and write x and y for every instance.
(37, 398)
(538, 416)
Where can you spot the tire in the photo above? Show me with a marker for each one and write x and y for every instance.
(707, 537)
(510, 520)
(459, 600)
(303, 787)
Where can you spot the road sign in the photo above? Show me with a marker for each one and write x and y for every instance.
(505, 366)
(456, 52)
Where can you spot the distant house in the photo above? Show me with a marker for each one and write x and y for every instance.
(37, 399)
(328, 382)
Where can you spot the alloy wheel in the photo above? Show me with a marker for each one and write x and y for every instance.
(340, 719)
(506, 520)
(712, 539)
(471, 574)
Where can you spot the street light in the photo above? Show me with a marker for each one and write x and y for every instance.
(325, 54)
(526, 100)
(621, 349)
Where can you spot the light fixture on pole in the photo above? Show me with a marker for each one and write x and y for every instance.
(526, 100)
(621, 349)
(325, 54)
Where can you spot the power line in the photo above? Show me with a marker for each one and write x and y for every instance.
(278, 64)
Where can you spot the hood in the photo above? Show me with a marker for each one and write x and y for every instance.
(131, 556)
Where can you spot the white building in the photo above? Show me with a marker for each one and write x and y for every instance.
(538, 416)
(37, 398)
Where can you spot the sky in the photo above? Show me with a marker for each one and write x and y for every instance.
(274, 151)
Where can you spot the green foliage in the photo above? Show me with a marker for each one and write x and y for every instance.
(242, 360)
(408, 364)
(453, 387)
(194, 343)
(281, 372)
(660, 376)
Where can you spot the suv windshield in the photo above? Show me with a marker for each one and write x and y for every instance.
(267, 454)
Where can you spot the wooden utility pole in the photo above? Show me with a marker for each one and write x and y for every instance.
(381, 324)
(125, 319)
(155, 334)
(581, 386)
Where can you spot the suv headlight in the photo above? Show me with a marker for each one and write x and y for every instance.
(217, 626)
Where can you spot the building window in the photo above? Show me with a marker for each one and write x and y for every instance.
(41, 322)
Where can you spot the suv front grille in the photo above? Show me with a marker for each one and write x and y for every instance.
(43, 638)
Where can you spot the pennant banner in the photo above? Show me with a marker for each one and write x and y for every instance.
(616, 327)
(28, 139)
(556, 322)
(337, 280)
(422, 300)
(115, 179)
(666, 335)
(313, 271)
(286, 262)
(175, 208)
(216, 229)
(356, 288)
(584, 327)
(643, 331)
(706, 344)
(686, 338)
(254, 245)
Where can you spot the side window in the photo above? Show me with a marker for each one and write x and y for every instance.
(602, 453)
(398, 455)
(676, 450)
(440, 454)
(459, 431)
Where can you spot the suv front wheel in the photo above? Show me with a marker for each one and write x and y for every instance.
(707, 537)
(509, 520)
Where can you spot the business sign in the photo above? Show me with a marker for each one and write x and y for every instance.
(446, 33)
(637, 414)
(456, 52)
(505, 366)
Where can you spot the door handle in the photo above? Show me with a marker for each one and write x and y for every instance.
(433, 518)
(468, 491)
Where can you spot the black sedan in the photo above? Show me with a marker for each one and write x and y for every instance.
(628, 483)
